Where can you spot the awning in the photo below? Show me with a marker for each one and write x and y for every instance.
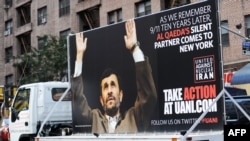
(242, 76)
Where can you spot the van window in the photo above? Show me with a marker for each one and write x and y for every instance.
(246, 106)
(22, 100)
(231, 111)
(58, 92)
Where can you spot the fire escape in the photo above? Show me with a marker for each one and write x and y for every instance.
(24, 28)
(23, 34)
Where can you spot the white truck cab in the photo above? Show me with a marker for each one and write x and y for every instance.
(31, 106)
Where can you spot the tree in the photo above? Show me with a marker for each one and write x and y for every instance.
(45, 63)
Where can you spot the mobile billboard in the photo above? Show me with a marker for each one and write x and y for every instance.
(182, 46)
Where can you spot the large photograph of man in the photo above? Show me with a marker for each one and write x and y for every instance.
(110, 119)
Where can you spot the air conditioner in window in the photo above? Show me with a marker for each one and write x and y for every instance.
(7, 32)
(44, 20)
(6, 6)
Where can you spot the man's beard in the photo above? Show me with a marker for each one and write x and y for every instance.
(112, 111)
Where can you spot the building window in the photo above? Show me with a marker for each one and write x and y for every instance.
(8, 54)
(42, 15)
(224, 34)
(64, 34)
(41, 42)
(247, 25)
(143, 8)
(89, 18)
(24, 43)
(64, 6)
(115, 16)
(23, 15)
(175, 3)
(8, 28)
(8, 4)
(9, 80)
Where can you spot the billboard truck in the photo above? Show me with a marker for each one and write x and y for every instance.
(153, 74)
(155, 77)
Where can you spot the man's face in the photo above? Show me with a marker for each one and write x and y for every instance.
(111, 96)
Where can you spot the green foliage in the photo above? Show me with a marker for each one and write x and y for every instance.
(46, 63)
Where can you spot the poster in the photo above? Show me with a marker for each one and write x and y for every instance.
(183, 47)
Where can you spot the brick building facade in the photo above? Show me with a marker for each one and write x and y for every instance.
(22, 21)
